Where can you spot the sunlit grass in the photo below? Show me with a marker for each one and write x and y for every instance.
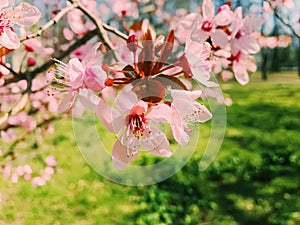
(252, 181)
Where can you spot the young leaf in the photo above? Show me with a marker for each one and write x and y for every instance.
(149, 90)
(166, 51)
(168, 81)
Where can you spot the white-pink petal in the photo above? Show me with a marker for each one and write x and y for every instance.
(9, 39)
(208, 9)
(122, 155)
(219, 38)
(25, 14)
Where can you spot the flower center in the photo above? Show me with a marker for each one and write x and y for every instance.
(136, 124)
(4, 24)
(207, 25)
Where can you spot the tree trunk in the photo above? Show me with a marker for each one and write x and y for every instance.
(299, 58)
(264, 71)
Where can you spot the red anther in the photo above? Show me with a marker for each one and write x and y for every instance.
(109, 82)
(123, 12)
(207, 26)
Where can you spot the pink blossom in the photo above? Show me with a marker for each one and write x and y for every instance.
(226, 75)
(242, 29)
(198, 55)
(27, 176)
(39, 47)
(6, 170)
(24, 120)
(38, 181)
(24, 15)
(14, 178)
(76, 76)
(78, 23)
(47, 173)
(208, 25)
(51, 161)
(9, 135)
(125, 8)
(20, 171)
(27, 169)
(135, 126)
(186, 110)
(241, 67)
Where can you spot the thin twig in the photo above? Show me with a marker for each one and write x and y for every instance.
(8, 68)
(49, 24)
(16, 142)
(49, 63)
(284, 20)
(100, 29)
(115, 31)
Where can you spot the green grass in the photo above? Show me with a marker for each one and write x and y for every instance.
(254, 179)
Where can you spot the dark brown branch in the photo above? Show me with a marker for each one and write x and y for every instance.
(8, 68)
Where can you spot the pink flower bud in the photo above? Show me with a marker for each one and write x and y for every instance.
(31, 61)
(29, 48)
(132, 43)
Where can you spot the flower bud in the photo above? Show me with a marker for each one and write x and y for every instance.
(132, 43)
(31, 61)
(29, 48)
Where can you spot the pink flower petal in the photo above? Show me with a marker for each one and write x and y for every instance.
(9, 39)
(122, 155)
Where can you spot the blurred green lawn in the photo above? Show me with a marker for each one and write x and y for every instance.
(254, 179)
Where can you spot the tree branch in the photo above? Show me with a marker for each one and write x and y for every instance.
(49, 24)
(284, 20)
(100, 29)
(16, 142)
(49, 63)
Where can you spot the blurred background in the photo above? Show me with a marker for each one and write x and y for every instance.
(253, 180)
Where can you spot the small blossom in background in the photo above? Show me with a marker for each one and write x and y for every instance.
(24, 15)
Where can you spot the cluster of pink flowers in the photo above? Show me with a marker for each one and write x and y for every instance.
(25, 172)
(152, 93)
(24, 15)
(230, 35)
(271, 42)
(148, 81)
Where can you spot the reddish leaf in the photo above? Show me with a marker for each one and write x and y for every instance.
(129, 71)
(141, 60)
(148, 53)
(137, 26)
(147, 36)
(183, 62)
(4, 51)
(166, 51)
(168, 81)
(149, 90)
(228, 3)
